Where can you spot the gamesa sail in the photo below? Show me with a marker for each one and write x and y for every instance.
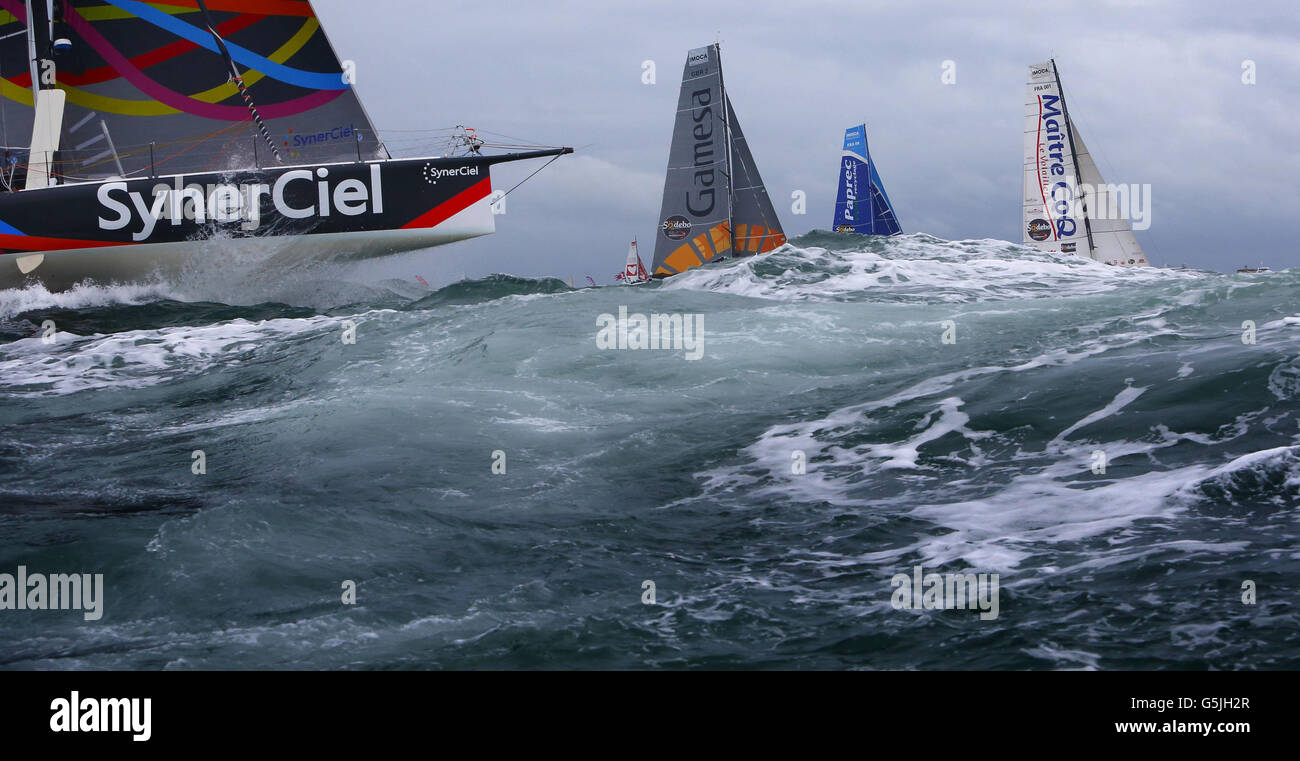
(757, 228)
(861, 205)
(1063, 190)
(714, 202)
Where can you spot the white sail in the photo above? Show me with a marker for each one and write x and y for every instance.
(635, 271)
(1113, 241)
(630, 271)
(1049, 221)
(1058, 168)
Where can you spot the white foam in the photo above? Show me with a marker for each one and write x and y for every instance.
(1121, 400)
(138, 358)
(922, 268)
(14, 301)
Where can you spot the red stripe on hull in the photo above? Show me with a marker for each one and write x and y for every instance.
(28, 243)
(454, 205)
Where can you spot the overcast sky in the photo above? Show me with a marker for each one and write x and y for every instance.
(1155, 87)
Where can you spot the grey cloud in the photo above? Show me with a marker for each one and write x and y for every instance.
(1155, 86)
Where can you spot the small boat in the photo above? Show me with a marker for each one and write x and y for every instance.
(634, 273)
(1057, 167)
(715, 205)
(861, 205)
(157, 126)
(1247, 269)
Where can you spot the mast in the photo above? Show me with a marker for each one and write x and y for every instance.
(726, 137)
(31, 53)
(871, 191)
(238, 80)
(1074, 156)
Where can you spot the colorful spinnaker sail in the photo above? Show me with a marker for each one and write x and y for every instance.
(153, 126)
(1068, 207)
(148, 82)
(861, 205)
(714, 203)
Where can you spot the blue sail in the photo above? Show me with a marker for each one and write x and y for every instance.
(861, 205)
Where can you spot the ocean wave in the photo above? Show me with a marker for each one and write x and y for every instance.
(1122, 445)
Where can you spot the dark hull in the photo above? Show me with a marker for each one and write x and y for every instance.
(127, 230)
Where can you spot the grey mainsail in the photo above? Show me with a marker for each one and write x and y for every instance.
(696, 203)
(757, 228)
(714, 202)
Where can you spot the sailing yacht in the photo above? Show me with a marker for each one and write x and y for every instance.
(634, 272)
(861, 205)
(1068, 207)
(714, 203)
(134, 131)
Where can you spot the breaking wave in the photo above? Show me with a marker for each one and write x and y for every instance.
(1121, 446)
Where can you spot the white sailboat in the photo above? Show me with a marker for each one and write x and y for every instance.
(1068, 207)
(634, 273)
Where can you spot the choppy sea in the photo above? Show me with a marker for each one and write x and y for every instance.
(1120, 447)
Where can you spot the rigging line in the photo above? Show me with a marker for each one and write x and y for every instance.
(239, 83)
(511, 137)
(211, 166)
(194, 142)
(529, 177)
(430, 129)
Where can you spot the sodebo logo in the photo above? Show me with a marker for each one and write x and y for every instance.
(225, 203)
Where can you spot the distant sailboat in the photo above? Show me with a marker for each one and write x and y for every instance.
(634, 273)
(1057, 167)
(861, 205)
(715, 205)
